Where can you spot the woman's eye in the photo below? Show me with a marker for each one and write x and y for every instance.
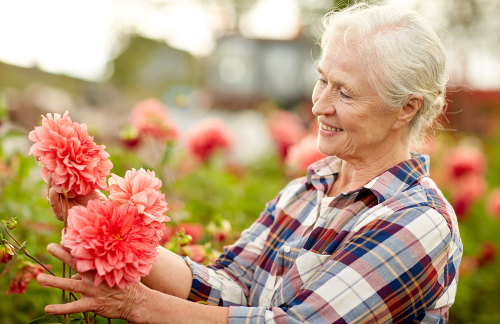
(322, 81)
(344, 95)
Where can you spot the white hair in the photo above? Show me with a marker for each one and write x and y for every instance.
(402, 55)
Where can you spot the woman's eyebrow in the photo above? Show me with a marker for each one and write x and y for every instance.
(338, 82)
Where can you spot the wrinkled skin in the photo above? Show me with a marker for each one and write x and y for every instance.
(102, 300)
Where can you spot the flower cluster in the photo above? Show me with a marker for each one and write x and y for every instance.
(70, 158)
(118, 238)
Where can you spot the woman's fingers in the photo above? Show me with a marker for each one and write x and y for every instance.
(72, 285)
(60, 253)
(54, 202)
(77, 276)
(78, 306)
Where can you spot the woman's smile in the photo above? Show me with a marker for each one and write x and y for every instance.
(328, 130)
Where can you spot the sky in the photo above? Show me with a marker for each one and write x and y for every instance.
(78, 37)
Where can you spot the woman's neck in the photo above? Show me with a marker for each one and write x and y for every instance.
(354, 174)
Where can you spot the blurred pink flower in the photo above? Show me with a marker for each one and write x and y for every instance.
(493, 203)
(207, 137)
(488, 253)
(150, 117)
(69, 155)
(470, 185)
(140, 188)
(168, 233)
(112, 240)
(464, 159)
(286, 129)
(21, 280)
(302, 154)
(193, 229)
(195, 252)
(465, 191)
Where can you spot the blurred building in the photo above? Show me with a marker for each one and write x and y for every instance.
(474, 111)
(244, 71)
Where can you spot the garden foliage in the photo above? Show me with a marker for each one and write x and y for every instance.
(211, 200)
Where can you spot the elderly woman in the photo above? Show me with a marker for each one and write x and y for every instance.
(366, 236)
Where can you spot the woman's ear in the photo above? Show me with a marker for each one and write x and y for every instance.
(408, 111)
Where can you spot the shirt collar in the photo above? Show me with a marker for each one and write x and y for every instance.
(323, 173)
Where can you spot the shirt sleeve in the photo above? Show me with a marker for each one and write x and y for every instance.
(390, 269)
(228, 280)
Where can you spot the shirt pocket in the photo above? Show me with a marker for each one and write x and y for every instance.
(305, 266)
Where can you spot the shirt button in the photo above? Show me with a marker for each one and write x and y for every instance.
(286, 248)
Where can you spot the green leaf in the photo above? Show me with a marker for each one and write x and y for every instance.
(22, 248)
(58, 319)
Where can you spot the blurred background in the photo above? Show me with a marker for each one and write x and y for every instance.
(249, 64)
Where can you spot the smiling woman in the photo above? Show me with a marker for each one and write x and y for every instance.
(366, 236)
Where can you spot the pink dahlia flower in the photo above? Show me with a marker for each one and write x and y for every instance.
(303, 154)
(141, 189)
(69, 155)
(286, 129)
(111, 240)
(207, 137)
(463, 160)
(150, 117)
(465, 191)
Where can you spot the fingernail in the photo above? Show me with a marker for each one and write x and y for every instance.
(49, 309)
(51, 247)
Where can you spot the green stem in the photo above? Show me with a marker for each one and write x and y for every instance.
(8, 233)
(63, 292)
(64, 210)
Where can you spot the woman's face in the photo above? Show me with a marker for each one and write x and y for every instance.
(353, 121)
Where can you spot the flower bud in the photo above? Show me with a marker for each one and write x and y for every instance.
(130, 137)
(183, 238)
(6, 252)
(11, 224)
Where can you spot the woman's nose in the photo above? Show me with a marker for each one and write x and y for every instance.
(322, 107)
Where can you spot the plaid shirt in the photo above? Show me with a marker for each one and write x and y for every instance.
(386, 252)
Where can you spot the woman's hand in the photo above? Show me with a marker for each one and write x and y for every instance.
(102, 300)
(56, 199)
